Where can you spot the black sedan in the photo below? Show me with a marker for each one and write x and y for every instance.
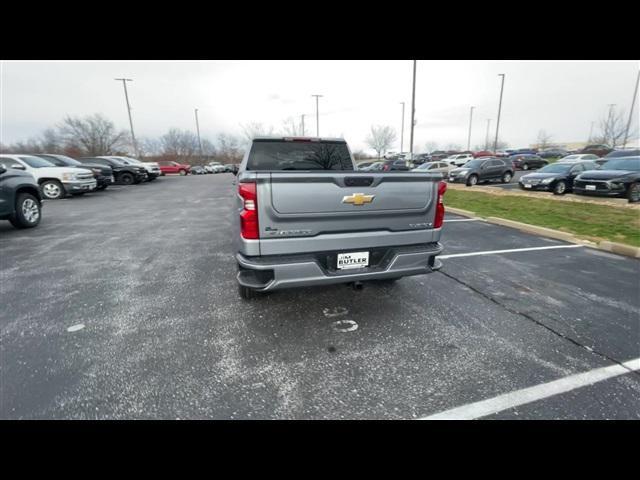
(527, 161)
(557, 178)
(619, 177)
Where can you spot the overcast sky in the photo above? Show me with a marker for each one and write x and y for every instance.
(561, 97)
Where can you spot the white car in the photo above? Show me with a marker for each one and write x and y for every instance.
(152, 168)
(435, 167)
(216, 167)
(55, 182)
(459, 159)
(578, 158)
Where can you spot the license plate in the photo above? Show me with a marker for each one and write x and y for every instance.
(353, 260)
(451, 179)
(527, 186)
(590, 187)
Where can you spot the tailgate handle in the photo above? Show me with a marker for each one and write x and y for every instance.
(358, 181)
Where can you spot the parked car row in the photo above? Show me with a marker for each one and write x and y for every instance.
(618, 177)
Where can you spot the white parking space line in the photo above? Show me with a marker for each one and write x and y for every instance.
(503, 402)
(462, 220)
(511, 250)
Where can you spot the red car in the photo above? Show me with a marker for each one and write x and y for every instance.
(174, 167)
(483, 153)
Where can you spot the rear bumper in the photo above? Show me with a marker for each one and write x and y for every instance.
(303, 270)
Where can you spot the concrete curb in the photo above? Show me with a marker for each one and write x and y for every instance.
(619, 248)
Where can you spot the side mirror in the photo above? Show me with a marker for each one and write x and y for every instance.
(18, 166)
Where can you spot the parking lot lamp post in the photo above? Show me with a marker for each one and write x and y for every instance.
(633, 102)
(413, 109)
(303, 124)
(470, 121)
(402, 130)
(198, 130)
(126, 97)
(486, 138)
(495, 144)
(317, 115)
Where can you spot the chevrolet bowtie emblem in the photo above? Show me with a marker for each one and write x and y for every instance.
(358, 199)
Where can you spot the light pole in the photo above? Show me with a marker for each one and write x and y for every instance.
(486, 138)
(126, 97)
(317, 115)
(495, 144)
(591, 132)
(633, 102)
(303, 124)
(413, 109)
(198, 130)
(470, 121)
(402, 130)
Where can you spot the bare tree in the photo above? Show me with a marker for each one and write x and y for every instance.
(50, 141)
(180, 144)
(454, 147)
(381, 138)
(149, 147)
(228, 149)
(291, 127)
(93, 135)
(612, 129)
(255, 129)
(544, 139)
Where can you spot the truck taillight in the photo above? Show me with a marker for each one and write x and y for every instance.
(249, 228)
(442, 187)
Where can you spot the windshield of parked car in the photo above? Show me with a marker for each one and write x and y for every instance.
(474, 163)
(556, 168)
(299, 155)
(623, 164)
(36, 162)
(66, 160)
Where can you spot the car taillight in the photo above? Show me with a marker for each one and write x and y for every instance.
(249, 228)
(385, 168)
(442, 187)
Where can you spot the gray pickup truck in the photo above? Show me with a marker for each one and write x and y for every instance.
(305, 216)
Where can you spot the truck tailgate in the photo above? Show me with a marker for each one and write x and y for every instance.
(323, 209)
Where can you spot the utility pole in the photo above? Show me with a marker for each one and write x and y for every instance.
(495, 144)
(303, 124)
(470, 120)
(198, 130)
(609, 128)
(633, 102)
(317, 115)
(126, 96)
(402, 130)
(591, 132)
(413, 108)
(486, 139)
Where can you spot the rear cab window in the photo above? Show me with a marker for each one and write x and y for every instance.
(281, 154)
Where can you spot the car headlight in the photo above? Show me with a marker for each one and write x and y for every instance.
(616, 185)
(97, 171)
(547, 181)
(68, 177)
(464, 171)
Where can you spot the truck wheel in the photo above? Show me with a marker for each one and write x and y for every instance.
(472, 180)
(506, 178)
(52, 189)
(633, 194)
(560, 188)
(246, 293)
(183, 172)
(126, 179)
(27, 214)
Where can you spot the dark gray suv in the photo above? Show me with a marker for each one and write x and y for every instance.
(481, 170)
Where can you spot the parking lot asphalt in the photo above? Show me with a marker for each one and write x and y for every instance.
(123, 304)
